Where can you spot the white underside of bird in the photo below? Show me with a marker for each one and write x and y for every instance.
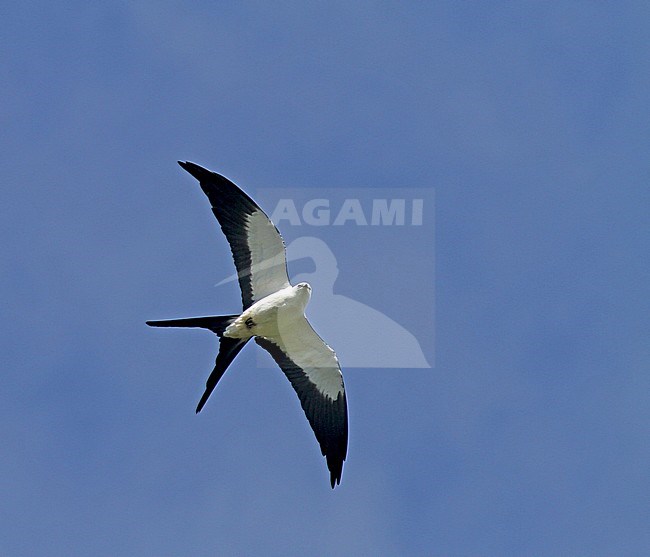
(280, 317)
(265, 317)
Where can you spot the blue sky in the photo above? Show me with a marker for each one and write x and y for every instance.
(530, 122)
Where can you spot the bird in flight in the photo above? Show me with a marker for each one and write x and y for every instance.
(273, 313)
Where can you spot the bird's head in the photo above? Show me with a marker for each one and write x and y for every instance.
(304, 285)
(303, 290)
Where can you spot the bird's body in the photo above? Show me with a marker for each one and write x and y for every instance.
(269, 315)
(273, 313)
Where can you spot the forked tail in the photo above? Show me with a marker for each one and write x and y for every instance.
(228, 347)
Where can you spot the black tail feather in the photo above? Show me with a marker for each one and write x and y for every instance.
(228, 347)
(216, 323)
(228, 350)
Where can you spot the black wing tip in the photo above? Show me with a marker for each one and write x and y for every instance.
(335, 478)
(335, 466)
(207, 177)
(200, 173)
(185, 165)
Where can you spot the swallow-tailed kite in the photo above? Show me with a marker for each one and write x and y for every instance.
(274, 313)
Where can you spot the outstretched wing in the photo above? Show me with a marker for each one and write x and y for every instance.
(256, 244)
(314, 372)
